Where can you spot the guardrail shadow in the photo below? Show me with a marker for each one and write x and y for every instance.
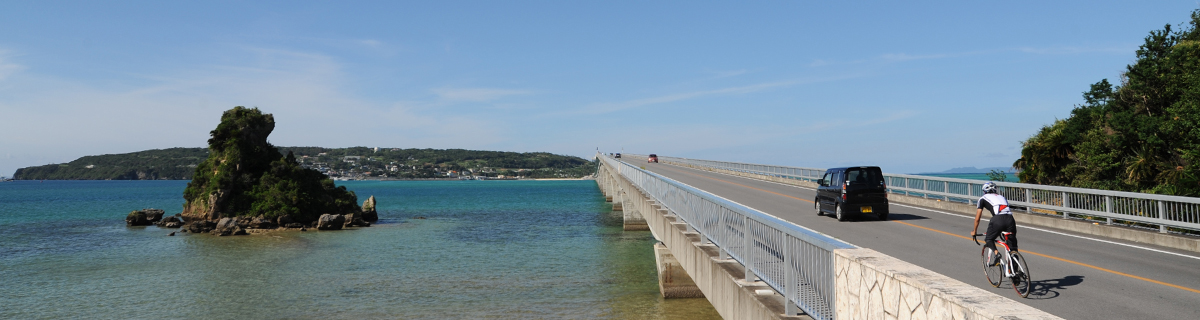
(1049, 288)
(894, 216)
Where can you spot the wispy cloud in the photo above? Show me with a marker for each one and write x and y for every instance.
(602, 108)
(475, 94)
(8, 68)
(56, 120)
(899, 57)
(1075, 50)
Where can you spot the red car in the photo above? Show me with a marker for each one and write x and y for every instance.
(653, 158)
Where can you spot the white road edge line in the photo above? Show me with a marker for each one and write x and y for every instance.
(970, 217)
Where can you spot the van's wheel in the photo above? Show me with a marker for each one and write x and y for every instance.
(817, 206)
(840, 215)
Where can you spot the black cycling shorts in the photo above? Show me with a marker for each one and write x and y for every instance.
(1001, 222)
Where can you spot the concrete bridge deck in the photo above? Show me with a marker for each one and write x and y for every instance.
(1078, 276)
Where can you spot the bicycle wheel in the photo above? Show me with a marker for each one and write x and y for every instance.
(1021, 281)
(994, 273)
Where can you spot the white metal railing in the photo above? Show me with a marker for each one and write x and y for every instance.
(795, 261)
(1148, 209)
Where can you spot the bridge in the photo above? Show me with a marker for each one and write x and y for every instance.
(747, 237)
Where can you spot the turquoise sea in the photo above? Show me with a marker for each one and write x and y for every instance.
(486, 249)
(1011, 177)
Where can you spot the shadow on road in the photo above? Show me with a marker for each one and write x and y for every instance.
(1049, 289)
(891, 216)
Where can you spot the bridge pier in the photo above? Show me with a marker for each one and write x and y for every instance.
(633, 217)
(673, 281)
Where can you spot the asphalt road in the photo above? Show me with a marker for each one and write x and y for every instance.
(1075, 276)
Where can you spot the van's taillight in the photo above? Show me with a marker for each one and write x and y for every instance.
(843, 192)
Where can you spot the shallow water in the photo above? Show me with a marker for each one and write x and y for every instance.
(487, 249)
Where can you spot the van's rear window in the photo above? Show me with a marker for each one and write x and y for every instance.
(864, 176)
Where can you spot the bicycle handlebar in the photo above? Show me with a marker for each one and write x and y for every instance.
(975, 237)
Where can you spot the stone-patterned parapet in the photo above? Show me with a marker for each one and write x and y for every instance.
(872, 285)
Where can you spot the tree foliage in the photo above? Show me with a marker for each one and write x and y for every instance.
(244, 175)
(1143, 135)
(165, 164)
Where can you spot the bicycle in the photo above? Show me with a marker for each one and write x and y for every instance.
(1013, 266)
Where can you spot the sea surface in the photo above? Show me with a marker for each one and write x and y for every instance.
(484, 249)
(1011, 177)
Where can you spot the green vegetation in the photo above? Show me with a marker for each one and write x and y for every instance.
(363, 163)
(166, 164)
(244, 175)
(1142, 136)
(367, 163)
(997, 175)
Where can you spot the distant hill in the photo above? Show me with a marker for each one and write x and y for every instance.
(158, 164)
(355, 162)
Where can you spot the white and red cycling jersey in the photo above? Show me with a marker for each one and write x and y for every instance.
(994, 203)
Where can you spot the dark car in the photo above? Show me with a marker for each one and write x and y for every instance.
(852, 191)
(653, 158)
(618, 156)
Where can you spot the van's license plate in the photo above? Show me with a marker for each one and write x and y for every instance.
(866, 209)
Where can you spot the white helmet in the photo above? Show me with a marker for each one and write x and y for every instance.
(989, 187)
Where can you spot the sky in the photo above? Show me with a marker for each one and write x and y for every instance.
(912, 87)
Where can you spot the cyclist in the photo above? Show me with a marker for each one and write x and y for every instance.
(1002, 219)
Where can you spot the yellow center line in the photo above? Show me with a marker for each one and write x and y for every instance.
(1066, 260)
(968, 238)
(746, 186)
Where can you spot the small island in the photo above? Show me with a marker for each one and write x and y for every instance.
(246, 183)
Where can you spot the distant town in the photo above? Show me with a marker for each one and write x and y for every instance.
(384, 167)
(355, 163)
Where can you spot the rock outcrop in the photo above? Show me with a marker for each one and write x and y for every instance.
(368, 210)
(143, 217)
(199, 226)
(331, 222)
(227, 227)
(171, 222)
(245, 176)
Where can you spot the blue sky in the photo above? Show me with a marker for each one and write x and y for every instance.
(912, 87)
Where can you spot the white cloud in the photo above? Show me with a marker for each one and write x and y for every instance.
(475, 94)
(898, 57)
(8, 68)
(1076, 50)
(601, 108)
(50, 119)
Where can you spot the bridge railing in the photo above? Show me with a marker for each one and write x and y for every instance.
(1137, 209)
(795, 261)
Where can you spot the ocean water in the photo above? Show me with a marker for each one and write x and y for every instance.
(1010, 177)
(485, 249)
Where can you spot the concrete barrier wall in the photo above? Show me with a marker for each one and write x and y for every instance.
(871, 285)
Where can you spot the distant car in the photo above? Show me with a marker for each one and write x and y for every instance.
(653, 158)
(852, 191)
(618, 156)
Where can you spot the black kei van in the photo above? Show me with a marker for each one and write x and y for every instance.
(852, 191)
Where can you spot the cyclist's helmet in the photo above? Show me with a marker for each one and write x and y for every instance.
(989, 187)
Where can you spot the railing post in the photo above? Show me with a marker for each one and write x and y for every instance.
(1029, 199)
(723, 227)
(946, 190)
(747, 241)
(1108, 207)
(1162, 213)
(789, 278)
(1066, 204)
